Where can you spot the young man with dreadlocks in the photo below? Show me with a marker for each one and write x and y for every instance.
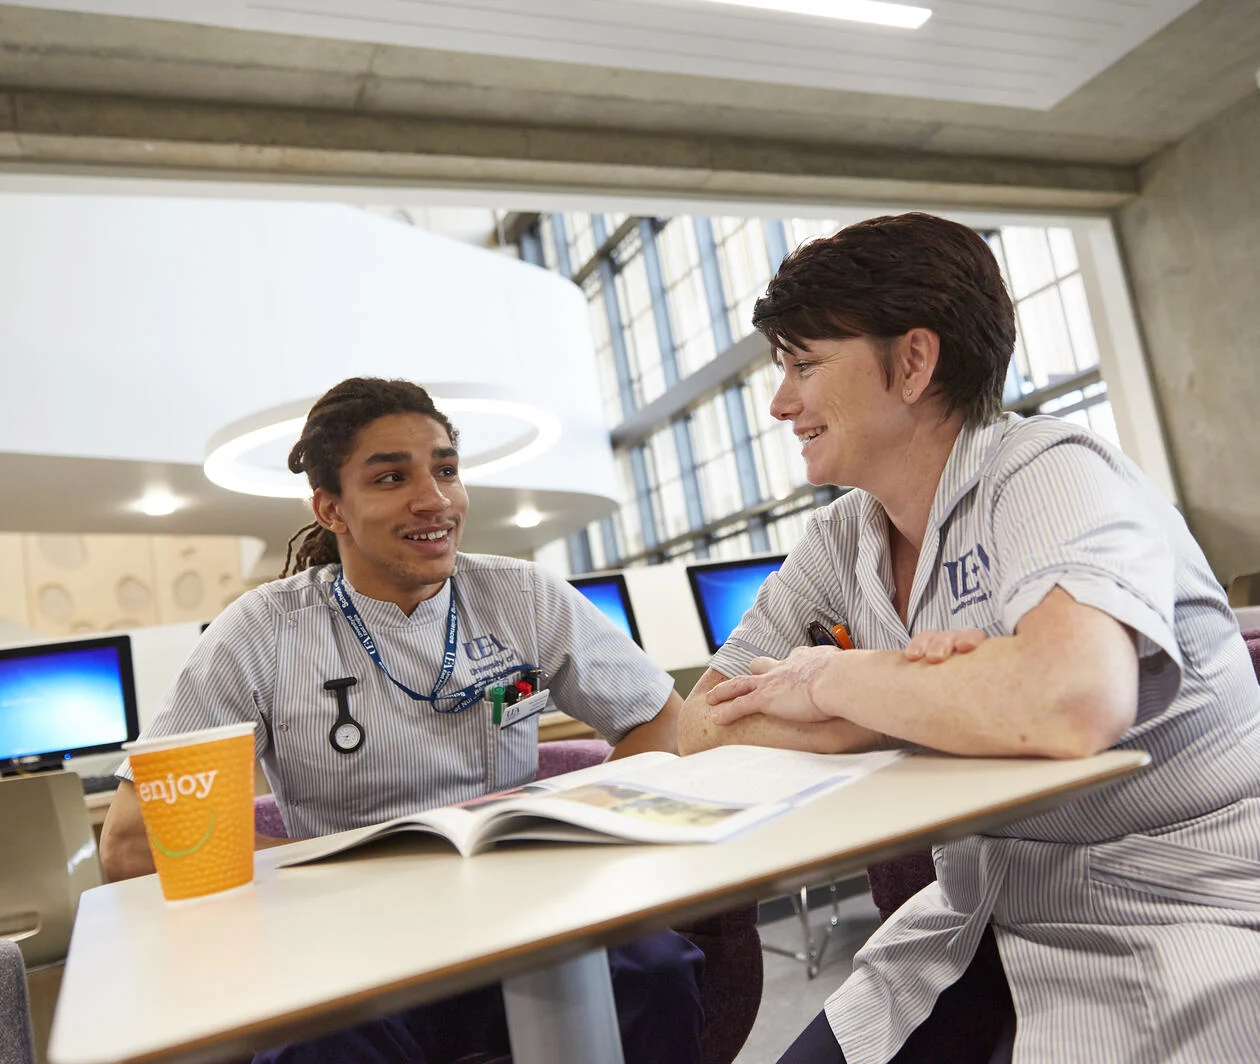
(380, 593)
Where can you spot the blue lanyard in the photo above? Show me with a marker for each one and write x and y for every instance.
(467, 696)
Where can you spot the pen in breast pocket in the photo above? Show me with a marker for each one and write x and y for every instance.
(820, 635)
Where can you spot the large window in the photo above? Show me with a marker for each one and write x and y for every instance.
(686, 300)
(1055, 344)
(751, 489)
(647, 377)
(785, 531)
(631, 523)
(745, 267)
(580, 235)
(775, 447)
(547, 238)
(669, 502)
(716, 468)
(609, 386)
(802, 230)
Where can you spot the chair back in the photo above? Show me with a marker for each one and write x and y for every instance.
(569, 755)
(50, 858)
(15, 1013)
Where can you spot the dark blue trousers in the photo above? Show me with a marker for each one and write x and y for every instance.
(655, 981)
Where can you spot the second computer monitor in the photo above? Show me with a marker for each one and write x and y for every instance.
(607, 593)
(724, 590)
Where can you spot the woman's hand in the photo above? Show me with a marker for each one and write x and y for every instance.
(934, 647)
(776, 688)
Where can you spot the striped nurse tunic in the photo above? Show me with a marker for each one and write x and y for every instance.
(1128, 920)
(266, 657)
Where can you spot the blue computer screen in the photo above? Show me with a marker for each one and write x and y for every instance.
(724, 590)
(74, 698)
(609, 596)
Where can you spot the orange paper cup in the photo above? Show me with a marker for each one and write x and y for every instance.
(196, 794)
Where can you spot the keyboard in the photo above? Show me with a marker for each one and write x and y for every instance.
(99, 784)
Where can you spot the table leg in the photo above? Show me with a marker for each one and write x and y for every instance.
(564, 1014)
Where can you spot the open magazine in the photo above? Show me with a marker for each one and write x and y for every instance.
(652, 797)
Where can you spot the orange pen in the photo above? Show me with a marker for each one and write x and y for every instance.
(822, 636)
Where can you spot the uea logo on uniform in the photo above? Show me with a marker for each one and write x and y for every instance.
(968, 578)
(482, 646)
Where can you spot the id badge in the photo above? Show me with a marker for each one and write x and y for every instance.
(524, 709)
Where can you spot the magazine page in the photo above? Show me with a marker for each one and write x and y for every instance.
(450, 822)
(702, 798)
(604, 770)
(652, 797)
(751, 775)
(459, 823)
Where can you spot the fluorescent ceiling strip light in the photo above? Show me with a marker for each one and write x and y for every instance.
(902, 16)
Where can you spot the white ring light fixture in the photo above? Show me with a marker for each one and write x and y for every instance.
(224, 466)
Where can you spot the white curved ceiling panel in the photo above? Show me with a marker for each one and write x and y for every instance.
(140, 328)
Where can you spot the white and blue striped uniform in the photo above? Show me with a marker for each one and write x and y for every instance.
(266, 657)
(1128, 920)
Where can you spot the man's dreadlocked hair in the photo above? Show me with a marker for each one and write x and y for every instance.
(328, 438)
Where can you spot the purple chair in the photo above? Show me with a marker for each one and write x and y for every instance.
(730, 991)
(267, 819)
(569, 755)
(1252, 638)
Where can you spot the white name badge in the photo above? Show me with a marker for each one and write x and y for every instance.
(522, 710)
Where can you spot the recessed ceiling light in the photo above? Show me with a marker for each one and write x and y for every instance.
(527, 517)
(158, 503)
(903, 16)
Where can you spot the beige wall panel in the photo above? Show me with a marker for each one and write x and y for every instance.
(13, 606)
(89, 583)
(195, 576)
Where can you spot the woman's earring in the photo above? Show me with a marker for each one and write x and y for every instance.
(909, 392)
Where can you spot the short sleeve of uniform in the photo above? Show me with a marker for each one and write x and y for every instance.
(1069, 518)
(596, 674)
(804, 589)
(229, 678)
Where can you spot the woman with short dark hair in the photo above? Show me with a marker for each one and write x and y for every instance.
(1015, 587)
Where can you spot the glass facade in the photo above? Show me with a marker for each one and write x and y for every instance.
(725, 479)
(1055, 344)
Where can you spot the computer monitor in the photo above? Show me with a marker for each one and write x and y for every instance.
(64, 699)
(724, 590)
(608, 593)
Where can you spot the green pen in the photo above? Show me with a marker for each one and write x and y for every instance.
(497, 695)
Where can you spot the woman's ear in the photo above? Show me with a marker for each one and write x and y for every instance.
(917, 354)
(327, 509)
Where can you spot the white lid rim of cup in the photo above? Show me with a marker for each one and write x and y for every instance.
(192, 738)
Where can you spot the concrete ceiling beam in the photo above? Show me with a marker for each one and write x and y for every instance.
(159, 136)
